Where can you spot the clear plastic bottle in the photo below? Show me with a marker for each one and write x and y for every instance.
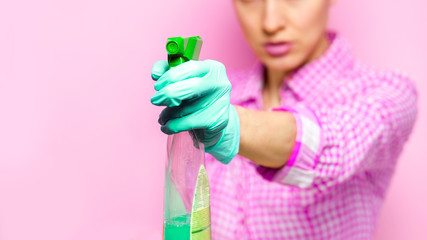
(186, 199)
(186, 194)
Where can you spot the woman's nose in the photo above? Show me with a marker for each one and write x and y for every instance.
(273, 21)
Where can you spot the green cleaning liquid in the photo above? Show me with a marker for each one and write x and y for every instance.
(197, 225)
(178, 228)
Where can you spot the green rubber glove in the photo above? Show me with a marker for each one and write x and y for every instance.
(197, 97)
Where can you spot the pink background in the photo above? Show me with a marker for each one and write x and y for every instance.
(81, 154)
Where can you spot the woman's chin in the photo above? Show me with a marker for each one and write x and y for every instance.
(280, 64)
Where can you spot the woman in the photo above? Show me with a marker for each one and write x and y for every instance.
(306, 141)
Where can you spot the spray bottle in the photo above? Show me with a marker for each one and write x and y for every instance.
(186, 195)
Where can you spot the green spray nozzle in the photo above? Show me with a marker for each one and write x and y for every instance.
(181, 49)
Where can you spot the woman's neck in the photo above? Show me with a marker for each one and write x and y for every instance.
(273, 80)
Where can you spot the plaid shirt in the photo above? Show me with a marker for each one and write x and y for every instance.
(352, 123)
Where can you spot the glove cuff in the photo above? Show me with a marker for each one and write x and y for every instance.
(228, 145)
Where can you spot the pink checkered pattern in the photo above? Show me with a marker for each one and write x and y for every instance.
(352, 122)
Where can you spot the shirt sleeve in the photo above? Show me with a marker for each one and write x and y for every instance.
(334, 143)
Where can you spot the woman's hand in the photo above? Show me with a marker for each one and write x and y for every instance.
(197, 97)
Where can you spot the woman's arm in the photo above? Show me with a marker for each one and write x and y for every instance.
(330, 144)
(266, 138)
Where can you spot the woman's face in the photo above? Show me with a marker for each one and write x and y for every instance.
(284, 34)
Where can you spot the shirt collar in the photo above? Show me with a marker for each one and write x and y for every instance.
(303, 81)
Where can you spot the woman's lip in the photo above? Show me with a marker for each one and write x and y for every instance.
(277, 49)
